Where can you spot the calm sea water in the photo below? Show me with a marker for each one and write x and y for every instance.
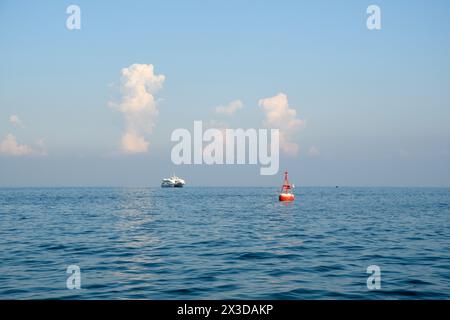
(214, 243)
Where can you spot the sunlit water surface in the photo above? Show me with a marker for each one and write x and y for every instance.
(214, 243)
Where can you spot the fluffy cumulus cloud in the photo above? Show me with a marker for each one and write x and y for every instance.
(15, 120)
(139, 84)
(231, 108)
(10, 146)
(280, 116)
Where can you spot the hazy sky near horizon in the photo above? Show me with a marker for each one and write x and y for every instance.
(372, 107)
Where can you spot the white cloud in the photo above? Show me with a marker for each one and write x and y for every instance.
(134, 143)
(15, 120)
(10, 146)
(280, 116)
(231, 108)
(139, 84)
(313, 151)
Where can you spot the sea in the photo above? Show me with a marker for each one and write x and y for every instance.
(224, 243)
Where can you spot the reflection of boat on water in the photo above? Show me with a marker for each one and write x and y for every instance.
(286, 193)
(173, 182)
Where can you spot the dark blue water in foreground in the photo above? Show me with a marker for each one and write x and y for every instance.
(213, 243)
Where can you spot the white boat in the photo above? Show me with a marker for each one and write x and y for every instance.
(173, 182)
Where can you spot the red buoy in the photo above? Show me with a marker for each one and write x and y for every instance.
(286, 190)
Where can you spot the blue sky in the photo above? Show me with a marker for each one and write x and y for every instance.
(375, 104)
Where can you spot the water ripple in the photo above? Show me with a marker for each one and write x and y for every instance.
(218, 243)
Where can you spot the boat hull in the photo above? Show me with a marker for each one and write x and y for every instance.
(173, 182)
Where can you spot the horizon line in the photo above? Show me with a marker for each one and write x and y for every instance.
(213, 186)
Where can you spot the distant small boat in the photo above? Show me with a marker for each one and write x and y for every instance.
(286, 190)
(173, 182)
